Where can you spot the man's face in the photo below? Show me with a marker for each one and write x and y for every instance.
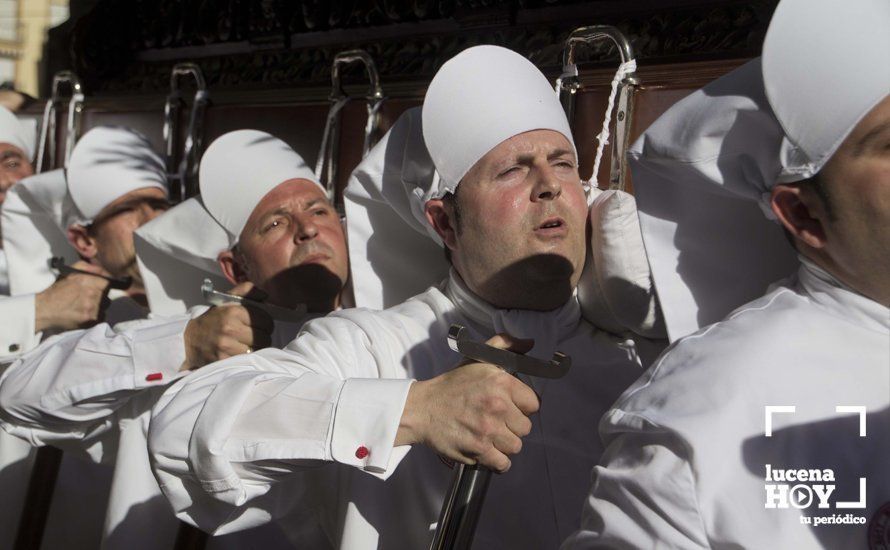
(520, 240)
(293, 247)
(112, 230)
(857, 181)
(14, 166)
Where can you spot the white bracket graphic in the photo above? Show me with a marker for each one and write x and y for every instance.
(858, 409)
(772, 409)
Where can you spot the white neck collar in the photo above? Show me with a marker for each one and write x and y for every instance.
(841, 300)
(547, 328)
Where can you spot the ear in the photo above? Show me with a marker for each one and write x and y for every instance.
(800, 213)
(440, 216)
(83, 243)
(231, 267)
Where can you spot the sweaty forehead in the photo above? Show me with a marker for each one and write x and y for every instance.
(526, 144)
(533, 142)
(295, 193)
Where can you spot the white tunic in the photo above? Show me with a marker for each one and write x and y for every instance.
(687, 452)
(225, 442)
(17, 316)
(75, 392)
(90, 392)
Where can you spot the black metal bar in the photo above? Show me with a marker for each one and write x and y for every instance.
(119, 283)
(462, 508)
(190, 537)
(38, 498)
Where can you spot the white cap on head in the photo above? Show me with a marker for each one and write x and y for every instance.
(14, 132)
(176, 252)
(479, 98)
(35, 214)
(704, 170)
(107, 163)
(239, 168)
(826, 65)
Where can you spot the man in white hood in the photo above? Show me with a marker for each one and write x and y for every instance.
(114, 184)
(16, 151)
(511, 211)
(767, 429)
(72, 301)
(268, 224)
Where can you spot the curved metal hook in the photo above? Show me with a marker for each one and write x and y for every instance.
(183, 171)
(570, 83)
(375, 92)
(325, 167)
(47, 139)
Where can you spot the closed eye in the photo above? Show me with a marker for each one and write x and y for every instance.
(508, 171)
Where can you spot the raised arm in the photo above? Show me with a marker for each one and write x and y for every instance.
(238, 429)
(70, 385)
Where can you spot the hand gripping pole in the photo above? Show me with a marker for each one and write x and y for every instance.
(463, 504)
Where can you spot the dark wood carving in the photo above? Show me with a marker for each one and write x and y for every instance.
(124, 46)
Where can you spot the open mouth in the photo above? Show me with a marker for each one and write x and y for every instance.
(552, 223)
(314, 259)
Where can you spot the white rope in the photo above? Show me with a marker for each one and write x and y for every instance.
(603, 137)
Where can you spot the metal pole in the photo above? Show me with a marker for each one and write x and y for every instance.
(182, 166)
(463, 504)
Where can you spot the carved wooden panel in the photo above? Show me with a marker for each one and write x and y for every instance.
(129, 46)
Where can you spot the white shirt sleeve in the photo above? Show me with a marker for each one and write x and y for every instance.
(17, 326)
(69, 387)
(643, 494)
(239, 429)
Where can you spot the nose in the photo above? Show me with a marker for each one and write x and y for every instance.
(547, 185)
(306, 228)
(7, 180)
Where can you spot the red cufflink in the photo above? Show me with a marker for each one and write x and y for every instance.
(154, 376)
(362, 452)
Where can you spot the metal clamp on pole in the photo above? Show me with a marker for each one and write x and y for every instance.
(278, 313)
(46, 148)
(624, 88)
(326, 165)
(463, 504)
(182, 166)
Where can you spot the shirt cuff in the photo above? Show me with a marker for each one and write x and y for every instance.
(365, 424)
(17, 326)
(158, 353)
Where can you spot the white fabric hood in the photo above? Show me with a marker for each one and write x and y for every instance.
(239, 168)
(393, 252)
(826, 64)
(35, 213)
(21, 133)
(176, 252)
(703, 171)
(107, 163)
